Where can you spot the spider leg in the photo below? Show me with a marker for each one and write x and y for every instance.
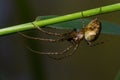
(42, 39)
(95, 44)
(88, 42)
(51, 53)
(73, 51)
(83, 21)
(49, 33)
(98, 43)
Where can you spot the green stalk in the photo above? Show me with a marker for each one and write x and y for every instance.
(68, 17)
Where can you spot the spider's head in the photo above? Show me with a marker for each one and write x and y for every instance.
(77, 35)
(92, 30)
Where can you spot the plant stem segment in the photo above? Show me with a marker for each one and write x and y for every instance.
(68, 17)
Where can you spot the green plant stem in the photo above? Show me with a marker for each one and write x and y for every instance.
(68, 17)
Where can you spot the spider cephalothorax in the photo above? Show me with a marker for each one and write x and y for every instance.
(74, 36)
(90, 33)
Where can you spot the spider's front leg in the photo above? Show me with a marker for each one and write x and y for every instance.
(46, 32)
(51, 53)
(41, 39)
(67, 55)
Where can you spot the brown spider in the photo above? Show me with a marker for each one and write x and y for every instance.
(89, 33)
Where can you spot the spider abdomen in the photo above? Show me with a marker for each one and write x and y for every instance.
(92, 30)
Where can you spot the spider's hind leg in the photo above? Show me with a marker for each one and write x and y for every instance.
(95, 44)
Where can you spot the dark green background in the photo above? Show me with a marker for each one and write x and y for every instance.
(101, 62)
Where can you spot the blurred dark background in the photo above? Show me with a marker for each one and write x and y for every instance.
(101, 62)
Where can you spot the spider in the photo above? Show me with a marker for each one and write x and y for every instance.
(89, 33)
